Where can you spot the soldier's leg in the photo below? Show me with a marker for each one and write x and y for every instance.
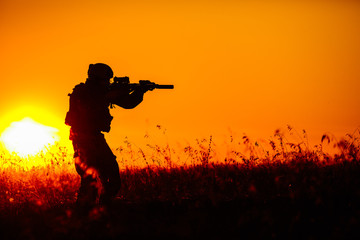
(87, 193)
(89, 187)
(109, 175)
(110, 179)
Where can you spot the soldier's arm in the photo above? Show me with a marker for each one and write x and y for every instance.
(125, 99)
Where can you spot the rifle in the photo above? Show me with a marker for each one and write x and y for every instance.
(123, 82)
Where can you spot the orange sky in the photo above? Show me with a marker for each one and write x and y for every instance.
(248, 66)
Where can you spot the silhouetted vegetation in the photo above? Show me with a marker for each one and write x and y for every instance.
(281, 190)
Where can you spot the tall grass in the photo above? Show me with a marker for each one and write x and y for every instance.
(187, 171)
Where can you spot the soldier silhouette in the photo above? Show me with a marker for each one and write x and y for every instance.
(89, 117)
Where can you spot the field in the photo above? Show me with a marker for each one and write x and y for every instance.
(260, 190)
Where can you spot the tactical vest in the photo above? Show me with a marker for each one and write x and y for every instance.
(88, 110)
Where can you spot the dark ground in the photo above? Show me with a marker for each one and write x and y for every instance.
(310, 203)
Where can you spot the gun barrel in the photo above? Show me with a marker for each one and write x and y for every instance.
(159, 86)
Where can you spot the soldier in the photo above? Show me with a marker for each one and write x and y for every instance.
(88, 117)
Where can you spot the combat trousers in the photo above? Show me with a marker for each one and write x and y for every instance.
(97, 167)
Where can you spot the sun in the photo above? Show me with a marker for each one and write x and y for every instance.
(28, 137)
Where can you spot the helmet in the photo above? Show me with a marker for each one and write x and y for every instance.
(100, 71)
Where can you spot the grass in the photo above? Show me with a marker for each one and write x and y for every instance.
(281, 187)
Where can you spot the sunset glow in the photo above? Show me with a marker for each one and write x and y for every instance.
(237, 66)
(27, 137)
